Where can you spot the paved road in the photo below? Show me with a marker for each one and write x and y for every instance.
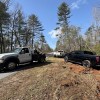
(3, 75)
(26, 66)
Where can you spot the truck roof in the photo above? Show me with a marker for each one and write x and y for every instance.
(85, 52)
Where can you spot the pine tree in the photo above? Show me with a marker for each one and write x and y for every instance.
(63, 16)
(63, 23)
(4, 20)
(35, 26)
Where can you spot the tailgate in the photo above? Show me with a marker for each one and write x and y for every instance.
(97, 59)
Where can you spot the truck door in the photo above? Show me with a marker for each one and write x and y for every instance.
(25, 55)
(78, 56)
(71, 55)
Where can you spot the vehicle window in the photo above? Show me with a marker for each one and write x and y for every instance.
(87, 52)
(25, 50)
(73, 52)
(78, 52)
(17, 50)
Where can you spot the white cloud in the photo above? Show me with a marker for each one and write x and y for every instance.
(74, 5)
(54, 33)
(77, 3)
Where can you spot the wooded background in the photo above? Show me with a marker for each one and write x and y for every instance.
(71, 37)
(17, 30)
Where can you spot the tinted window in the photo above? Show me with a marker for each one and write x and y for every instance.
(77, 52)
(73, 52)
(87, 52)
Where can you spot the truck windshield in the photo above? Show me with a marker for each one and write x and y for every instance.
(17, 50)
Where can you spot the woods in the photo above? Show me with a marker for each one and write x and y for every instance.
(71, 37)
(16, 30)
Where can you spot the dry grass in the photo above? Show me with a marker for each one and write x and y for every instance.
(53, 81)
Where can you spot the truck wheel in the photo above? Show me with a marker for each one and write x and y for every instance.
(66, 59)
(86, 63)
(11, 65)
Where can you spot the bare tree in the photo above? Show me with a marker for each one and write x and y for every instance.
(96, 15)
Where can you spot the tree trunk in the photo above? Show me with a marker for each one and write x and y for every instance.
(17, 39)
(11, 40)
(1, 37)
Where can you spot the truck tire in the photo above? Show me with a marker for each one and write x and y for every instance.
(66, 59)
(11, 65)
(86, 63)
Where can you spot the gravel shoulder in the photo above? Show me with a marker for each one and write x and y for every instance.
(54, 80)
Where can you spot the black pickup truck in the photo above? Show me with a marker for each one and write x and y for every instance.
(86, 58)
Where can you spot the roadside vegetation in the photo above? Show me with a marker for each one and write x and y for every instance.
(54, 80)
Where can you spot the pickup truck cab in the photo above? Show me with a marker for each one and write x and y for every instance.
(19, 56)
(87, 58)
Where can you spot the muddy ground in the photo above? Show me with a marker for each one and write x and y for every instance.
(53, 80)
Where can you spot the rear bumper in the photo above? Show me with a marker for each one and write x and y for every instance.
(97, 64)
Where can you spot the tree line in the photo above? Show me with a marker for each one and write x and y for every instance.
(16, 30)
(71, 37)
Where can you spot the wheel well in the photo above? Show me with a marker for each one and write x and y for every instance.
(92, 62)
(12, 59)
(89, 61)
